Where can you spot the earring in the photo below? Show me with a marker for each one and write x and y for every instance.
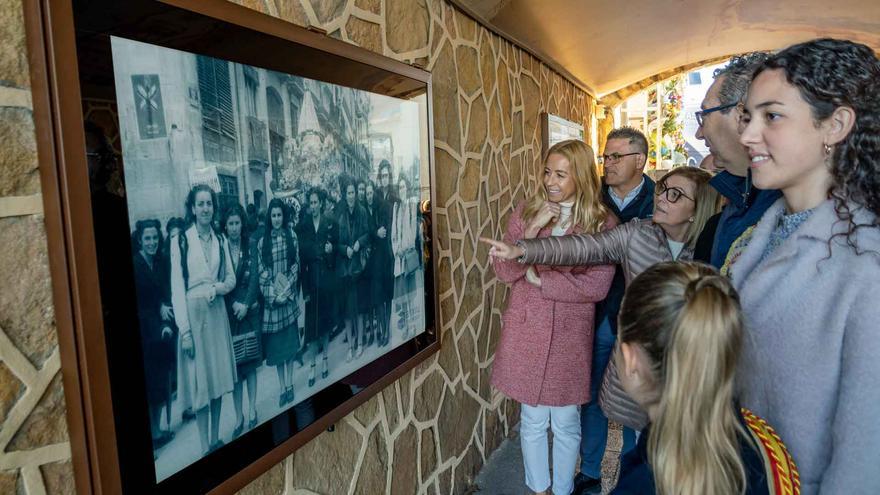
(827, 149)
(691, 219)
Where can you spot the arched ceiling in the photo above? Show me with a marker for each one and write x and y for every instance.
(605, 46)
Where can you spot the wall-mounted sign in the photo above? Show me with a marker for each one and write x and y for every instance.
(555, 129)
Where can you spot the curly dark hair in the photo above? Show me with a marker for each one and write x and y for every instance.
(175, 223)
(142, 225)
(830, 74)
(191, 201)
(235, 209)
(321, 194)
(266, 252)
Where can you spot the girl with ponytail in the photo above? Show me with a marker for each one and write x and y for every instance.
(681, 332)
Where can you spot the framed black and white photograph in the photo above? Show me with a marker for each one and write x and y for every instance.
(261, 245)
(276, 236)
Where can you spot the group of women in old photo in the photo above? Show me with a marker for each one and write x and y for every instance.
(760, 378)
(222, 294)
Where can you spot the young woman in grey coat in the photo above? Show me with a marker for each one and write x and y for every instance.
(808, 273)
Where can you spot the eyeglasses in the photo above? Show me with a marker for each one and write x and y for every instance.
(673, 194)
(613, 158)
(702, 113)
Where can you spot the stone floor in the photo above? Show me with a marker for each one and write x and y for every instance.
(503, 472)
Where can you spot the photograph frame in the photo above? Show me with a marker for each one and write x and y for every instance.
(71, 235)
(551, 122)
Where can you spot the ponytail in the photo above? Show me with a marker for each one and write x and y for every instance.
(694, 446)
(688, 320)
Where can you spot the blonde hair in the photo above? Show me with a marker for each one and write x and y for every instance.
(707, 201)
(588, 211)
(688, 320)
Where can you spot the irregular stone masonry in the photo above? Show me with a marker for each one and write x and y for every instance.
(429, 432)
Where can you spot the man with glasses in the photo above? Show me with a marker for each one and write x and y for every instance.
(718, 122)
(629, 194)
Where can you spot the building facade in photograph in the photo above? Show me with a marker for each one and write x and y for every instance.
(251, 134)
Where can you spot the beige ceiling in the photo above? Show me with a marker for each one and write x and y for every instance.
(607, 45)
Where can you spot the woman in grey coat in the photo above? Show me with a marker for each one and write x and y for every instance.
(684, 203)
(808, 273)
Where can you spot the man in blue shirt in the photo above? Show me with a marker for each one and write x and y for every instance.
(629, 194)
(718, 122)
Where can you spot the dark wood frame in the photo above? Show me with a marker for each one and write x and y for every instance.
(57, 111)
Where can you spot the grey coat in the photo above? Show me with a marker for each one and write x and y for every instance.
(636, 245)
(811, 360)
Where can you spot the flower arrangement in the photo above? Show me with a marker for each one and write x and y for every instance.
(670, 126)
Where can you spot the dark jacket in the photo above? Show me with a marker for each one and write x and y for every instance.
(247, 280)
(317, 265)
(642, 206)
(703, 247)
(746, 205)
(353, 227)
(385, 217)
(763, 473)
(149, 281)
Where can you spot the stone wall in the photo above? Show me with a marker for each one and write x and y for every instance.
(432, 430)
(34, 452)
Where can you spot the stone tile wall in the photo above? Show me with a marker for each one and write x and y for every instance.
(34, 451)
(432, 430)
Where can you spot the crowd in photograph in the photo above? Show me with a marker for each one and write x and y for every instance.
(223, 293)
(727, 321)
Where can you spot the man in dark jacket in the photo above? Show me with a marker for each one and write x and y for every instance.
(629, 194)
(718, 122)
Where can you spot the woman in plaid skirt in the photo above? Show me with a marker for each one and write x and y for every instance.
(279, 283)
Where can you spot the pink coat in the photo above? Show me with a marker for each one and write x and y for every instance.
(546, 347)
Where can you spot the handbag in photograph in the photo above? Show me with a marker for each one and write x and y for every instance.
(245, 347)
(617, 405)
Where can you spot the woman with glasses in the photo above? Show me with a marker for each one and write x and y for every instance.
(544, 353)
(808, 273)
(684, 202)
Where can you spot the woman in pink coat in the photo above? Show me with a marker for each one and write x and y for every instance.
(543, 357)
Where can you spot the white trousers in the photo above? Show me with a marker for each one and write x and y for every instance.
(566, 424)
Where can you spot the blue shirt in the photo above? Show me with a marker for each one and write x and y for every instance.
(641, 205)
(622, 202)
(746, 205)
